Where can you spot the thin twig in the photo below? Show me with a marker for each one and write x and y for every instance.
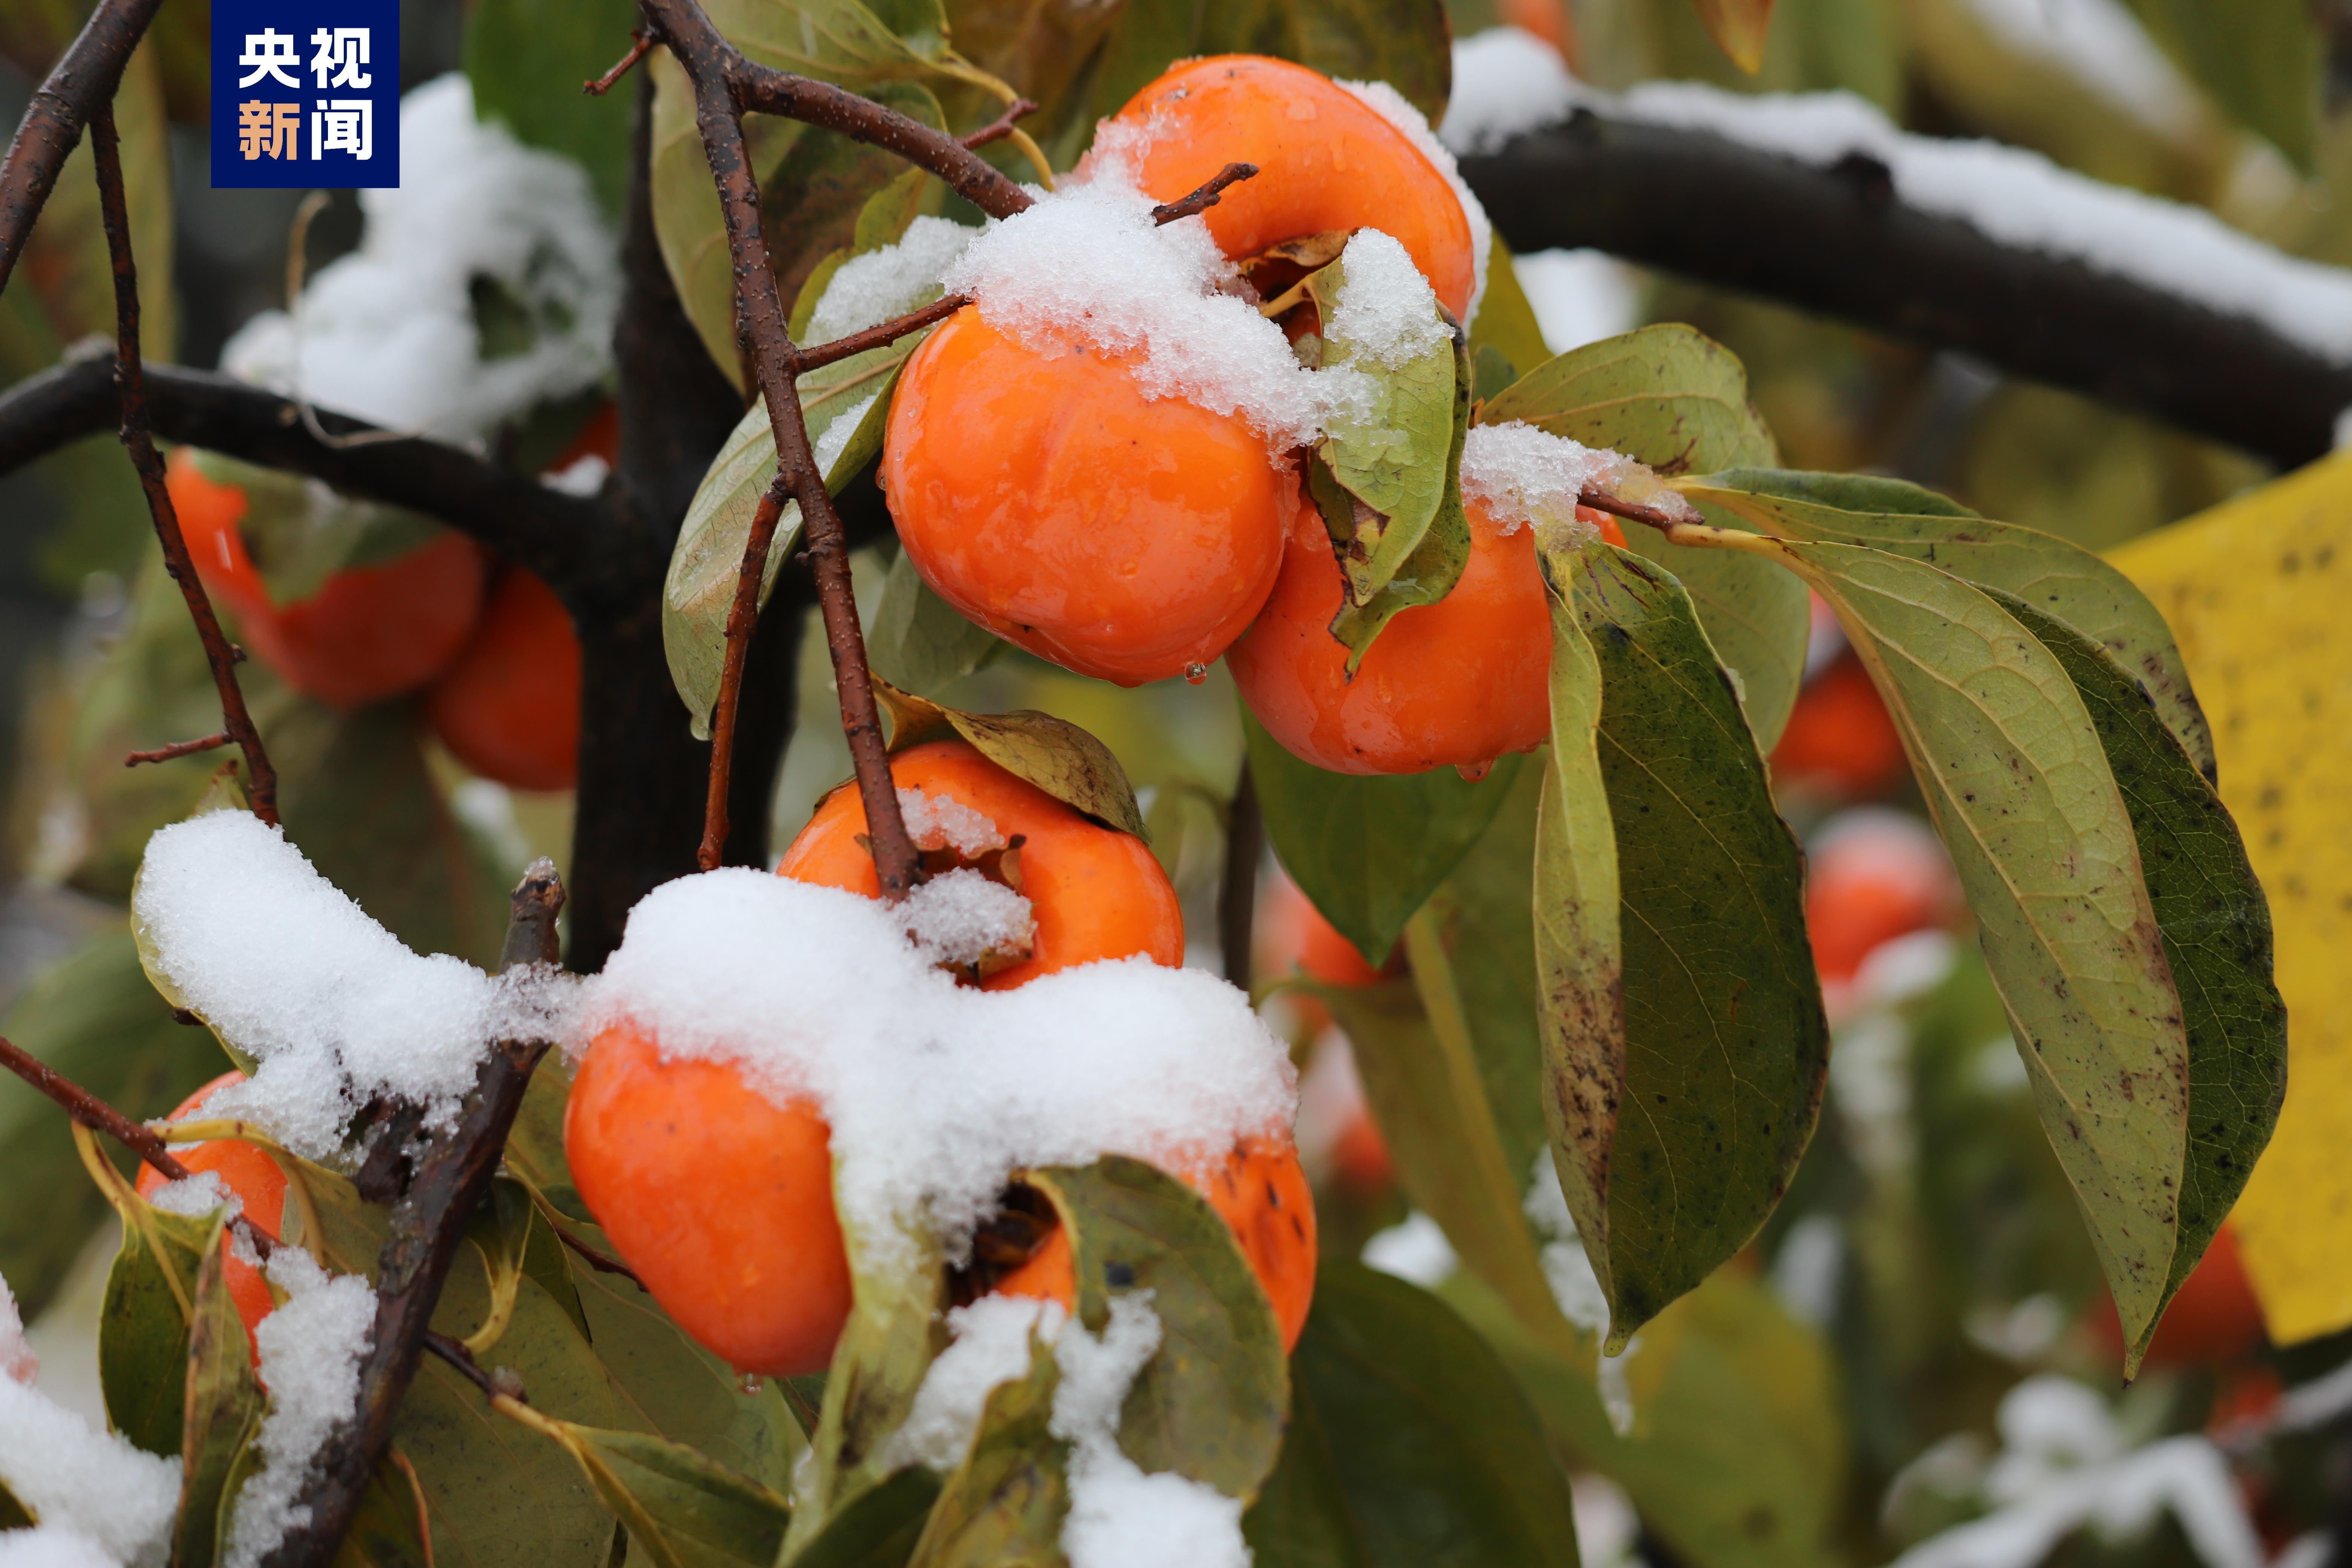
(1237, 891)
(603, 1263)
(1207, 196)
(742, 620)
(1601, 501)
(140, 441)
(641, 43)
(889, 331)
(82, 81)
(459, 1357)
(91, 1111)
(724, 85)
(177, 749)
(1003, 125)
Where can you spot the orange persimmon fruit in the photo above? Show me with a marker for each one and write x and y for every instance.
(1459, 682)
(718, 1198)
(1042, 495)
(252, 1176)
(1094, 891)
(1261, 1193)
(1326, 161)
(368, 633)
(1839, 735)
(508, 705)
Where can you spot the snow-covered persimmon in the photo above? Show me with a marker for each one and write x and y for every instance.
(718, 1198)
(1093, 892)
(368, 633)
(1039, 491)
(1260, 1192)
(251, 1176)
(508, 705)
(1327, 160)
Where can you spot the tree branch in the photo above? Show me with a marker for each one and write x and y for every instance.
(140, 442)
(428, 1225)
(712, 65)
(742, 620)
(1237, 889)
(81, 83)
(1835, 240)
(571, 543)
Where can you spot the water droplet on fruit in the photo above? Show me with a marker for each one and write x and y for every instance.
(1196, 673)
(749, 1383)
(1472, 771)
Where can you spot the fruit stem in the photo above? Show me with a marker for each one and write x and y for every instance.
(1207, 196)
(641, 43)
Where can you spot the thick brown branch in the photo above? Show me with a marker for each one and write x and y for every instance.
(889, 331)
(178, 748)
(427, 1226)
(641, 43)
(81, 83)
(719, 75)
(767, 91)
(1207, 196)
(140, 441)
(742, 620)
(569, 543)
(998, 129)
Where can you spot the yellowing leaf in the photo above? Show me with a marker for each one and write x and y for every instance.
(1737, 27)
(2254, 590)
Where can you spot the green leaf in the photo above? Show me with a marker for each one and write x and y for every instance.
(1741, 1460)
(2261, 59)
(534, 1151)
(916, 641)
(2057, 577)
(1685, 1067)
(876, 1529)
(1392, 502)
(146, 1320)
(1209, 1403)
(222, 1410)
(1678, 402)
(93, 1017)
(1006, 1501)
(2020, 788)
(1368, 851)
(2216, 926)
(527, 60)
(682, 1510)
(884, 220)
(1409, 1443)
(1505, 325)
(698, 591)
(1055, 754)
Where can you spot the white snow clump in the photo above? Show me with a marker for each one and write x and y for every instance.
(871, 289)
(1390, 105)
(52, 1546)
(990, 1347)
(337, 1010)
(310, 1351)
(1523, 474)
(17, 1360)
(92, 1486)
(961, 917)
(1387, 310)
(196, 1195)
(934, 1092)
(943, 822)
(388, 331)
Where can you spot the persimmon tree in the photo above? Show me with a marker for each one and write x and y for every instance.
(912, 1204)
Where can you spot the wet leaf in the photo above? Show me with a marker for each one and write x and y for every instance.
(882, 220)
(1368, 850)
(845, 406)
(1052, 754)
(1209, 1403)
(222, 1410)
(1738, 28)
(877, 1529)
(1395, 463)
(1005, 1503)
(917, 641)
(682, 1510)
(1409, 1443)
(1505, 326)
(146, 1318)
(2057, 577)
(534, 1151)
(1686, 1050)
(2021, 790)
(92, 1016)
(2216, 926)
(1678, 402)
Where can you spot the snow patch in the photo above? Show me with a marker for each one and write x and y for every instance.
(991, 1347)
(18, 1361)
(388, 333)
(310, 1351)
(1523, 474)
(334, 1008)
(869, 289)
(961, 917)
(1390, 104)
(943, 822)
(935, 1092)
(1415, 1250)
(1387, 312)
(83, 1482)
(196, 1196)
(52, 1546)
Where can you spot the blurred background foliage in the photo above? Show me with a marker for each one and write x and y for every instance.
(1853, 1384)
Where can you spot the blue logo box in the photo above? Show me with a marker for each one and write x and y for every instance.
(306, 94)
